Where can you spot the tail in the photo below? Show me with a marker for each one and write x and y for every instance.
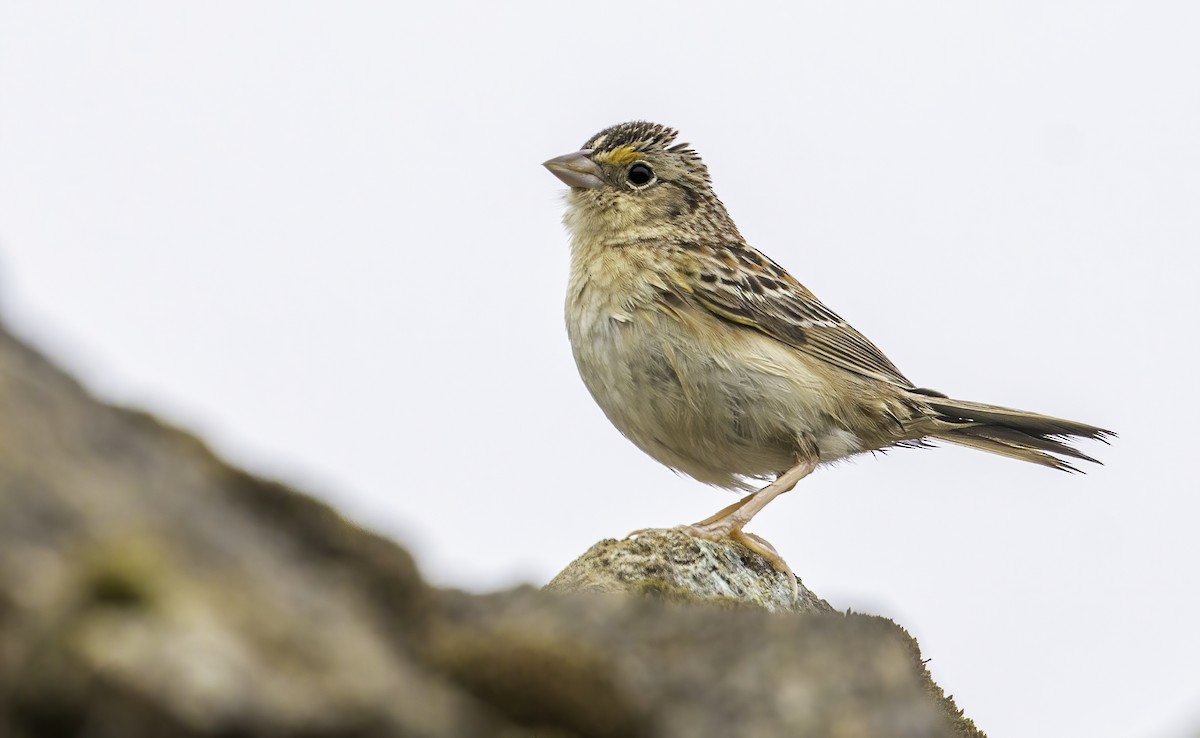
(1039, 439)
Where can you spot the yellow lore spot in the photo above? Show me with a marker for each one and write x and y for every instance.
(620, 157)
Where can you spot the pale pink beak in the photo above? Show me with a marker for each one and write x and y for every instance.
(576, 169)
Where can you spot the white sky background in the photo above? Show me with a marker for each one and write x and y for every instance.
(319, 234)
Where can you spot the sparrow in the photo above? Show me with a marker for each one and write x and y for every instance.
(718, 363)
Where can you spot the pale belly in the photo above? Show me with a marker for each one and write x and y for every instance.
(745, 407)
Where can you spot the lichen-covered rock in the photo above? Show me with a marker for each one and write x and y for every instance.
(149, 589)
(672, 563)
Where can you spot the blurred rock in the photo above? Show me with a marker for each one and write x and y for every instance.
(149, 589)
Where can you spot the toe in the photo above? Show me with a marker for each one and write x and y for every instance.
(712, 532)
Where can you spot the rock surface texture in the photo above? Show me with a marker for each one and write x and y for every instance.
(149, 589)
(667, 561)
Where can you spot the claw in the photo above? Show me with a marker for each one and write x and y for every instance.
(642, 532)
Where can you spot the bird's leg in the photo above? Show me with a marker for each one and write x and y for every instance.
(727, 510)
(723, 512)
(736, 516)
(729, 522)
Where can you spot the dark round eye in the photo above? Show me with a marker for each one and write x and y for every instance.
(640, 175)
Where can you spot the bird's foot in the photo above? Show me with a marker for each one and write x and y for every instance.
(722, 530)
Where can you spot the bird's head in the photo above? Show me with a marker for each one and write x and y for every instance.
(632, 180)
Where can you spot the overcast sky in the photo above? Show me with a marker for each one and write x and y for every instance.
(319, 235)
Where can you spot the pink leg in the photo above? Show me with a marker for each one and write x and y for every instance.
(729, 522)
(727, 510)
(711, 519)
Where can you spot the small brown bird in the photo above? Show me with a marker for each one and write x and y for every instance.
(717, 362)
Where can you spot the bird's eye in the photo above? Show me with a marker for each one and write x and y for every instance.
(640, 175)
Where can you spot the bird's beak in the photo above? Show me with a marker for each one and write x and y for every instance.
(576, 169)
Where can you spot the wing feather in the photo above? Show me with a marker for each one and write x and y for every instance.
(759, 294)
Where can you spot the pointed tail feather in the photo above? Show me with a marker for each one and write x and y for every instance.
(1038, 439)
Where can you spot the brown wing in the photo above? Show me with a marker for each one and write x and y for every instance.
(759, 294)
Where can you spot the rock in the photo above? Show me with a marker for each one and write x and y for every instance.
(149, 589)
(604, 665)
(670, 562)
